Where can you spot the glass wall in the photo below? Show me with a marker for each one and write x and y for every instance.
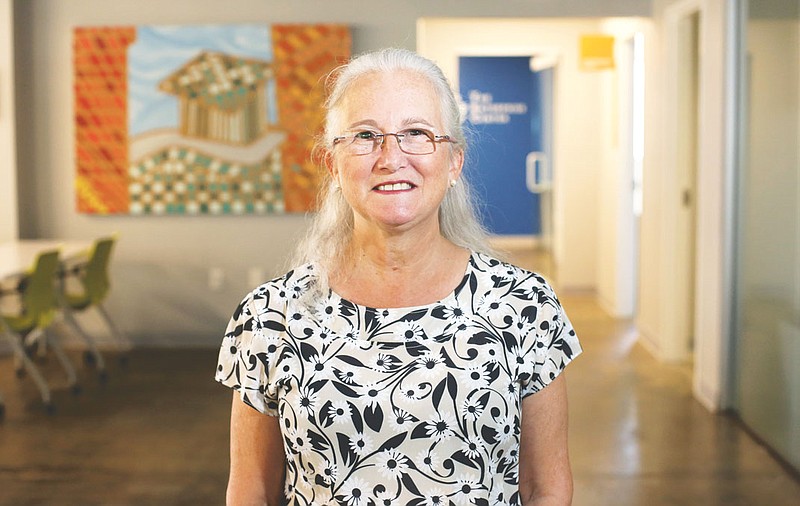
(767, 378)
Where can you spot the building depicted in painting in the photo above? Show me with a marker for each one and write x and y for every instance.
(222, 97)
(224, 157)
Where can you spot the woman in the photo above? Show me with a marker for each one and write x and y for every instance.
(399, 363)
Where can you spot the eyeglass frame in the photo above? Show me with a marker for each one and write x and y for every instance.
(435, 139)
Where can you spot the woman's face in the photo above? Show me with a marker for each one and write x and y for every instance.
(388, 188)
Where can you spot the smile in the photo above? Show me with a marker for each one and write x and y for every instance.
(394, 187)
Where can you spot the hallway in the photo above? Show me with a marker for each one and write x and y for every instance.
(157, 432)
(639, 438)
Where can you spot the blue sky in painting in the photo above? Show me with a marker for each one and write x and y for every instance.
(160, 50)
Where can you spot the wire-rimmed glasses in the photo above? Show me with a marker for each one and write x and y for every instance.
(414, 141)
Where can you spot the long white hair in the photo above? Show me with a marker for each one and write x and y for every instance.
(329, 234)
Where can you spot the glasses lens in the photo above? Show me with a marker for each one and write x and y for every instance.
(417, 141)
(414, 141)
(364, 142)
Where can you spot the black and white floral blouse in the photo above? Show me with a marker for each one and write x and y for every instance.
(411, 406)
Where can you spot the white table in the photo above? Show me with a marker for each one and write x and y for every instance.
(16, 257)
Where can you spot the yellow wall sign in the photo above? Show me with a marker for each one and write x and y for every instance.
(597, 52)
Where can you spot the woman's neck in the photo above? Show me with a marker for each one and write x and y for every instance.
(399, 270)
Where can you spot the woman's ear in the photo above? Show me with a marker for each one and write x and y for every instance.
(456, 164)
(330, 165)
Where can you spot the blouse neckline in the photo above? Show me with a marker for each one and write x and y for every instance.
(450, 299)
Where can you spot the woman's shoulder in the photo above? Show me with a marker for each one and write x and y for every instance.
(504, 279)
(293, 284)
(495, 267)
(300, 275)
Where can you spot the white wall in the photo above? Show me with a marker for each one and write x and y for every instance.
(161, 293)
(8, 151)
(773, 160)
(650, 244)
(768, 330)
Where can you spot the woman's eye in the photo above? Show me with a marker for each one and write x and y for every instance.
(413, 132)
(365, 135)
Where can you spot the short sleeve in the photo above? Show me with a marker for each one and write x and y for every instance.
(250, 349)
(550, 343)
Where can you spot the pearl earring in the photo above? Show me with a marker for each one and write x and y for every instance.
(453, 183)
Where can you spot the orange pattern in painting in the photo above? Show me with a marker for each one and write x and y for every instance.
(303, 55)
(101, 130)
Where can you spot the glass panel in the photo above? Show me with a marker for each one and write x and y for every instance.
(768, 281)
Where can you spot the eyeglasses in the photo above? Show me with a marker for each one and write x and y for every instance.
(414, 141)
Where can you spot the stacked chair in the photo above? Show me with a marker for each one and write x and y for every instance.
(38, 310)
(93, 283)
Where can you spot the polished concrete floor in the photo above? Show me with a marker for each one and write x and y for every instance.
(156, 432)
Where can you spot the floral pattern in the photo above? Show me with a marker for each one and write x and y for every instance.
(413, 406)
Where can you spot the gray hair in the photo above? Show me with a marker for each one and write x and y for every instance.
(330, 231)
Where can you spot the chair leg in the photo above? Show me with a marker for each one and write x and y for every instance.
(30, 367)
(34, 343)
(94, 352)
(69, 369)
(122, 341)
(19, 365)
(28, 344)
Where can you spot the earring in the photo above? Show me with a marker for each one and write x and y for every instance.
(453, 183)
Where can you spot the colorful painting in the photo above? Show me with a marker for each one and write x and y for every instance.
(216, 119)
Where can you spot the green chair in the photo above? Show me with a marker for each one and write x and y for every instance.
(38, 310)
(94, 285)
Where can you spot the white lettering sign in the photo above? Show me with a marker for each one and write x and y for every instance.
(482, 109)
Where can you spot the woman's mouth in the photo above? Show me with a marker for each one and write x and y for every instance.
(393, 187)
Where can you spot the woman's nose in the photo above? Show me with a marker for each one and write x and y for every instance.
(383, 144)
(391, 156)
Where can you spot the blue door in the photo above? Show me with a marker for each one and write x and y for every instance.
(504, 116)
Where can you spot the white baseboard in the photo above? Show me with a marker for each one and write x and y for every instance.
(709, 398)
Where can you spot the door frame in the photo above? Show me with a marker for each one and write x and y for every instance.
(627, 222)
(674, 344)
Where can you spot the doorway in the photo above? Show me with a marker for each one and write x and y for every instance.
(508, 105)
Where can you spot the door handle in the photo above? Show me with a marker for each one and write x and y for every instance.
(537, 172)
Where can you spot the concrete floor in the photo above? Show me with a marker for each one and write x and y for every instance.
(157, 432)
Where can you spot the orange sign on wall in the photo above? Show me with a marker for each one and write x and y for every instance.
(597, 52)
